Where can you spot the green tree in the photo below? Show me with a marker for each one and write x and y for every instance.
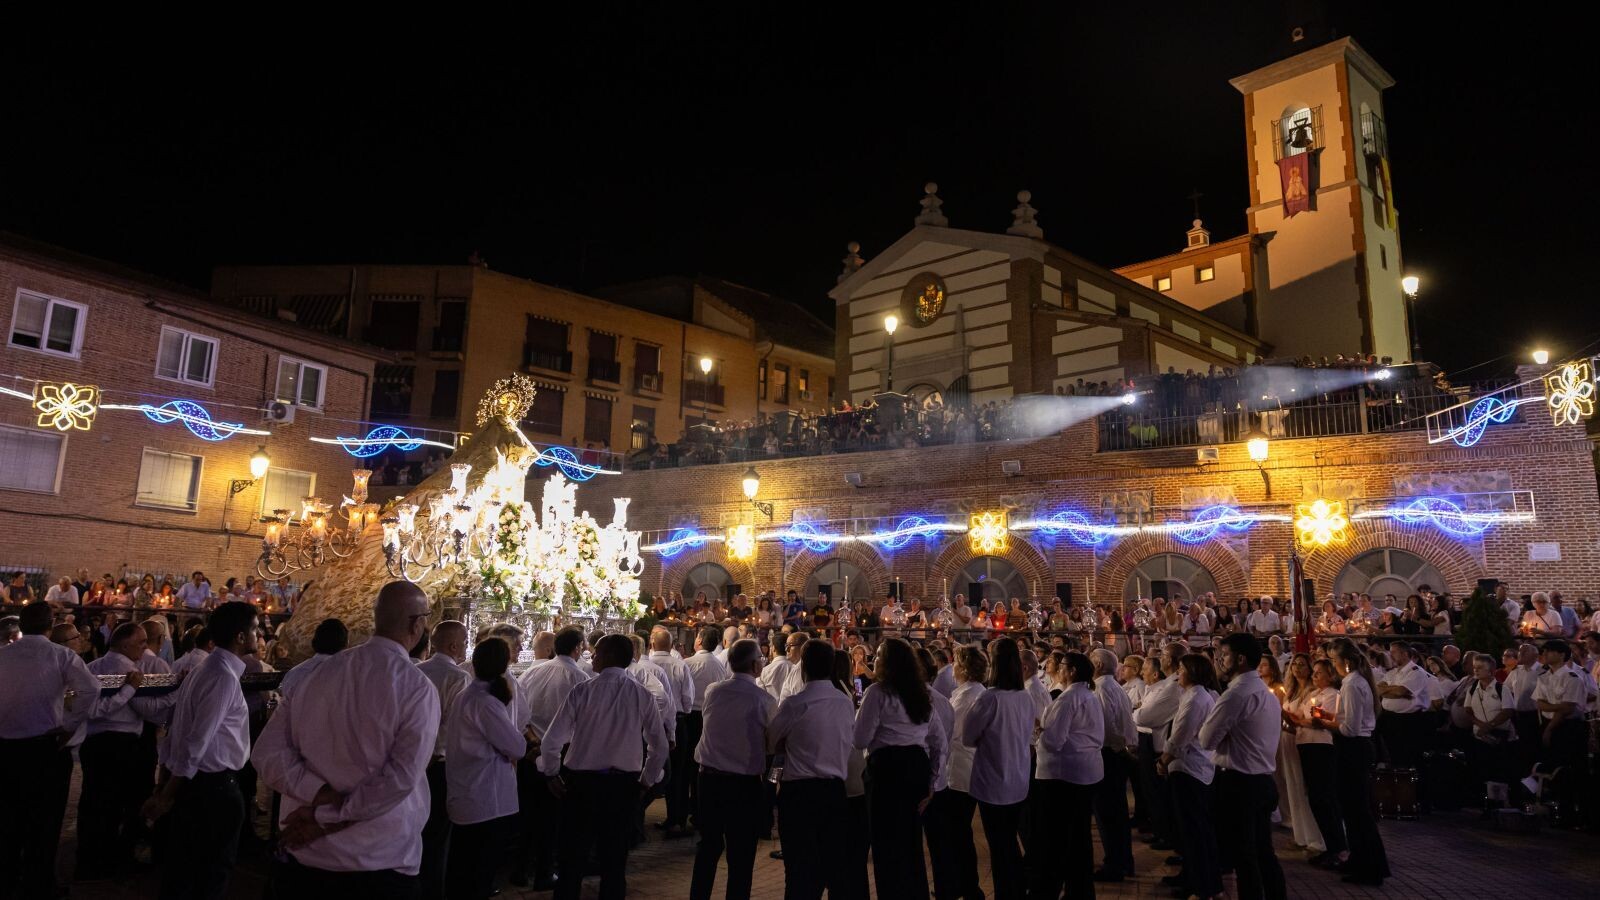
(1484, 626)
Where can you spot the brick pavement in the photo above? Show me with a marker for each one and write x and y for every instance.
(1445, 856)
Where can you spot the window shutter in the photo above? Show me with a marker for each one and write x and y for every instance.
(169, 358)
(29, 460)
(199, 363)
(29, 324)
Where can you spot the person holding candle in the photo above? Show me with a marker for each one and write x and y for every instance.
(1352, 725)
(998, 727)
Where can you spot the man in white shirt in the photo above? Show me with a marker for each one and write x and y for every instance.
(605, 726)
(729, 635)
(1037, 692)
(545, 686)
(207, 744)
(1511, 605)
(62, 594)
(1490, 705)
(732, 757)
(1542, 621)
(1242, 732)
(776, 673)
(945, 681)
(1155, 713)
(676, 787)
(198, 650)
(46, 693)
(446, 671)
(1561, 696)
(351, 758)
(1116, 754)
(704, 671)
(1266, 621)
(196, 592)
(793, 679)
(814, 730)
(330, 637)
(1404, 692)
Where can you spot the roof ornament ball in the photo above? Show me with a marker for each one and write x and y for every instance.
(852, 260)
(932, 213)
(1025, 219)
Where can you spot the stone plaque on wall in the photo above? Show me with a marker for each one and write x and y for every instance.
(1126, 507)
(1331, 489)
(1202, 496)
(1445, 484)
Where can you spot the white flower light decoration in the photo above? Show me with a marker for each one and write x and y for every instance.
(741, 543)
(987, 532)
(66, 406)
(1320, 523)
(1570, 393)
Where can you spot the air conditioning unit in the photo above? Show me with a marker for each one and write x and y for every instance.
(1011, 467)
(805, 395)
(853, 479)
(1204, 455)
(278, 412)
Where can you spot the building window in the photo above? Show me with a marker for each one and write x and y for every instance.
(301, 383)
(603, 362)
(832, 391)
(1164, 283)
(287, 489)
(803, 384)
(47, 324)
(646, 367)
(545, 345)
(186, 357)
(446, 394)
(545, 414)
(452, 328)
(1205, 273)
(391, 390)
(643, 429)
(30, 460)
(761, 381)
(597, 421)
(393, 324)
(1383, 256)
(169, 480)
(780, 383)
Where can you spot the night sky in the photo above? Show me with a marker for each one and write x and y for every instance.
(753, 147)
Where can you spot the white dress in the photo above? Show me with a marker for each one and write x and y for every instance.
(1292, 799)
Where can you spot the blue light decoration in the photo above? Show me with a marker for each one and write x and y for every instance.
(807, 534)
(681, 540)
(1076, 526)
(379, 439)
(568, 463)
(908, 528)
(194, 417)
(1486, 411)
(1446, 516)
(1209, 522)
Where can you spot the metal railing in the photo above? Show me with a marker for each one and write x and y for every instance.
(607, 370)
(552, 360)
(700, 392)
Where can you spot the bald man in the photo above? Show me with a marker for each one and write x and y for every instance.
(544, 646)
(445, 671)
(351, 759)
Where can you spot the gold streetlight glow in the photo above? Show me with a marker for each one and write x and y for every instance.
(891, 322)
(705, 365)
(1541, 357)
(1409, 284)
(752, 483)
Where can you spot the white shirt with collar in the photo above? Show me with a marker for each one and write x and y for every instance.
(368, 732)
(882, 721)
(999, 727)
(1563, 685)
(1243, 728)
(1038, 693)
(944, 716)
(59, 595)
(123, 712)
(293, 678)
(1513, 608)
(735, 737)
(194, 596)
(654, 680)
(1157, 710)
(1121, 734)
(1358, 715)
(1522, 680)
(793, 682)
(678, 678)
(35, 677)
(546, 686)
(210, 730)
(1071, 736)
(1194, 704)
(945, 681)
(483, 746)
(1550, 622)
(813, 729)
(449, 678)
(959, 772)
(775, 675)
(151, 664)
(705, 669)
(1486, 701)
(1414, 678)
(190, 660)
(1265, 621)
(602, 725)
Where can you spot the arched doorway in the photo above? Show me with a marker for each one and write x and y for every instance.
(710, 579)
(1170, 576)
(990, 578)
(831, 576)
(1388, 571)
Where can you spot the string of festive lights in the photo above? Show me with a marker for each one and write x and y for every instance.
(569, 464)
(1448, 516)
(384, 437)
(193, 416)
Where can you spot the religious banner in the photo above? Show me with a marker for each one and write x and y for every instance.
(1388, 195)
(1297, 174)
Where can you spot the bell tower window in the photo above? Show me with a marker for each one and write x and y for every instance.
(1299, 131)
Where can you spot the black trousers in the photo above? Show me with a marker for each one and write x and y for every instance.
(435, 835)
(206, 821)
(1066, 841)
(1111, 812)
(538, 823)
(683, 787)
(1355, 759)
(108, 804)
(476, 852)
(40, 772)
(809, 811)
(1320, 765)
(729, 821)
(1244, 819)
(948, 826)
(1154, 797)
(850, 882)
(1197, 836)
(293, 881)
(1002, 824)
(897, 781)
(599, 815)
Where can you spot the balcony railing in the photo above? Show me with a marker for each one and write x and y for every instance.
(647, 381)
(554, 361)
(607, 370)
(1374, 137)
(700, 392)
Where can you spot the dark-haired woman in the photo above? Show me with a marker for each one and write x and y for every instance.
(1068, 770)
(998, 727)
(1352, 726)
(904, 746)
(851, 883)
(1189, 773)
(483, 746)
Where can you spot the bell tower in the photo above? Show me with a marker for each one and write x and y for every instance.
(1320, 189)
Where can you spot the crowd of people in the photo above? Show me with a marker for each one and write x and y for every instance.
(405, 766)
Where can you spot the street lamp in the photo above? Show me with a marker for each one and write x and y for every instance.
(260, 461)
(1541, 357)
(1410, 284)
(890, 323)
(752, 486)
(705, 390)
(1256, 442)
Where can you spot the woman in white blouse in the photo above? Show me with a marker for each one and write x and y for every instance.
(1296, 691)
(1352, 725)
(998, 727)
(904, 749)
(1318, 762)
(483, 746)
(1189, 770)
(1068, 769)
(950, 812)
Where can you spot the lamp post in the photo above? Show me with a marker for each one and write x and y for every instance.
(260, 461)
(1409, 284)
(890, 323)
(752, 486)
(1541, 357)
(705, 390)
(1256, 442)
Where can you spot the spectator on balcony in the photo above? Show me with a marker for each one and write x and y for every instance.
(62, 594)
(794, 610)
(196, 592)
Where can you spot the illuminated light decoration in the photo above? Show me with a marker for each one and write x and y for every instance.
(567, 461)
(1209, 522)
(1320, 523)
(987, 532)
(508, 401)
(65, 406)
(1486, 411)
(807, 534)
(1076, 526)
(741, 541)
(194, 417)
(681, 540)
(20, 395)
(909, 527)
(1455, 519)
(379, 439)
(1570, 393)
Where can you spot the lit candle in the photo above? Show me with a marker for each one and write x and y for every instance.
(271, 537)
(458, 476)
(391, 533)
(358, 493)
(406, 516)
